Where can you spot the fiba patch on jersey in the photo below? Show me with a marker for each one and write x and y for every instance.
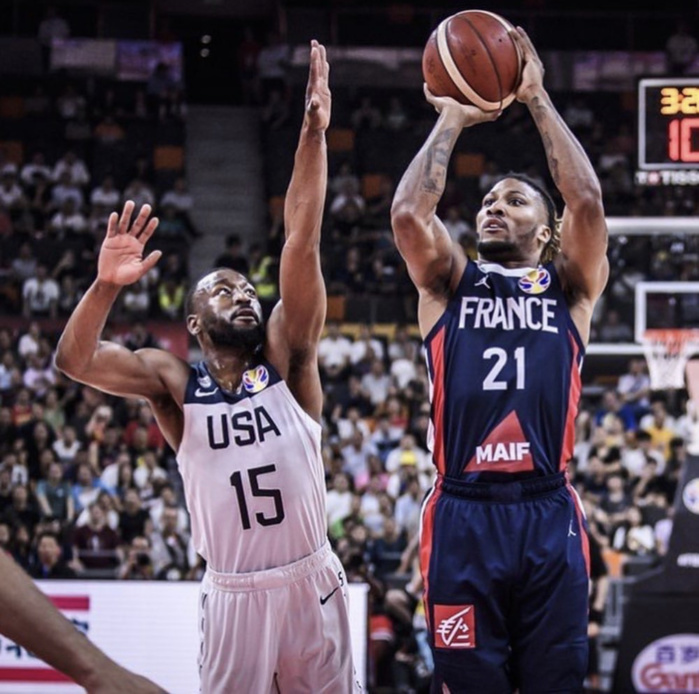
(454, 626)
(535, 282)
(255, 380)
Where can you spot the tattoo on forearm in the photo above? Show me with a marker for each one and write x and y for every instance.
(542, 114)
(437, 159)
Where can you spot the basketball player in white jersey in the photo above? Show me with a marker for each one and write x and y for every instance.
(245, 425)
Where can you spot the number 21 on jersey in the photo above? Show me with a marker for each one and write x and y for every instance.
(501, 357)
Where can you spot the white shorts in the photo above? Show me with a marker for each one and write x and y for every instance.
(281, 630)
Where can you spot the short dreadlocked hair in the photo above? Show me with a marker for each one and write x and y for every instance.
(553, 245)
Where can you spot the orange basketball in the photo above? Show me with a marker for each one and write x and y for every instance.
(472, 58)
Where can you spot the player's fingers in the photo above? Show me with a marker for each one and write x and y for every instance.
(148, 231)
(315, 57)
(112, 224)
(125, 219)
(524, 40)
(150, 260)
(324, 61)
(141, 219)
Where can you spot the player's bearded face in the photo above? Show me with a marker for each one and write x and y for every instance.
(497, 251)
(223, 333)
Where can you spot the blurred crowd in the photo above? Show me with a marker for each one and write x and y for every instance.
(56, 196)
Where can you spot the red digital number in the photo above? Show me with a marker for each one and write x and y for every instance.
(679, 143)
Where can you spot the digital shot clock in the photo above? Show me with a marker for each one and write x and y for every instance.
(668, 123)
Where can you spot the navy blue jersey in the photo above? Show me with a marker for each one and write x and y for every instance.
(504, 362)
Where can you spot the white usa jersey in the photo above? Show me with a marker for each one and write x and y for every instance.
(253, 473)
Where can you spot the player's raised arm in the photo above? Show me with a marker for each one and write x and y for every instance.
(583, 259)
(106, 365)
(420, 236)
(301, 284)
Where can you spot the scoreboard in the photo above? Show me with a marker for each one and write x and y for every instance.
(668, 131)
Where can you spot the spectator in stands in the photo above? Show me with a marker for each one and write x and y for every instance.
(170, 548)
(138, 563)
(136, 298)
(365, 348)
(140, 337)
(613, 329)
(39, 375)
(660, 425)
(40, 294)
(409, 503)
(396, 118)
(12, 198)
(614, 504)
(348, 206)
(49, 563)
(134, 520)
(86, 487)
(263, 272)
(68, 220)
(171, 296)
(632, 536)
(339, 503)
(633, 387)
(233, 256)
(96, 545)
(456, 224)
(54, 495)
(105, 196)
(612, 403)
(140, 192)
(349, 278)
(334, 352)
(23, 509)
(67, 446)
(36, 166)
(366, 115)
(66, 189)
(172, 226)
(179, 197)
(376, 383)
(70, 163)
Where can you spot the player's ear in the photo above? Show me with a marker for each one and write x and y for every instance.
(544, 234)
(193, 325)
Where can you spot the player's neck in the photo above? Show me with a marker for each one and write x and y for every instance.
(227, 367)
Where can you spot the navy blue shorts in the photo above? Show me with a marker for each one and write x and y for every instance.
(506, 586)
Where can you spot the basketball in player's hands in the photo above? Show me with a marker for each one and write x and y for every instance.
(472, 58)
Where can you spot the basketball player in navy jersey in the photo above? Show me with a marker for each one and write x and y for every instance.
(503, 549)
(244, 423)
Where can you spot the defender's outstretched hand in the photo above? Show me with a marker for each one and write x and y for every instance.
(466, 114)
(317, 91)
(121, 260)
(533, 70)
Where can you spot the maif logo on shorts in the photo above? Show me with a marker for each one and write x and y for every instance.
(455, 626)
